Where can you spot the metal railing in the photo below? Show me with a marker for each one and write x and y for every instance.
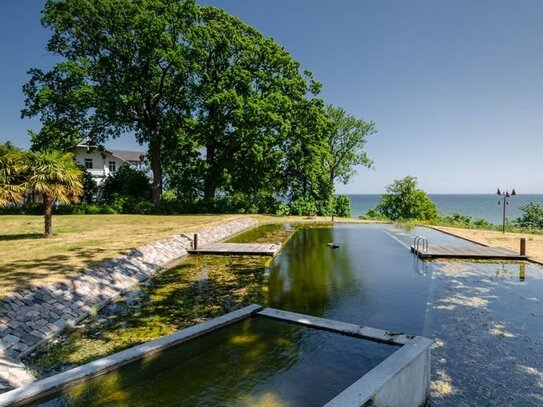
(420, 240)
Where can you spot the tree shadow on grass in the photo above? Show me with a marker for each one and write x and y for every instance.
(21, 236)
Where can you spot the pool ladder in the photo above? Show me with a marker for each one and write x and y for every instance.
(420, 241)
(421, 267)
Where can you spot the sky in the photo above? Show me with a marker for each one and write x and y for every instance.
(455, 88)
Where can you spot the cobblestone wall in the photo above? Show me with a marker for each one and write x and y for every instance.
(31, 317)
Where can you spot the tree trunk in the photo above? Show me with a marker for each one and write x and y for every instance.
(210, 182)
(48, 216)
(156, 167)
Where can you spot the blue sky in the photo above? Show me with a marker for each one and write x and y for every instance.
(455, 87)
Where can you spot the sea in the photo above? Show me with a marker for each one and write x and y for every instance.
(483, 206)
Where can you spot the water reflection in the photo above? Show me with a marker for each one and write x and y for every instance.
(511, 271)
(522, 272)
(309, 275)
(369, 280)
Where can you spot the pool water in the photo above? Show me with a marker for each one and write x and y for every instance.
(255, 362)
(476, 312)
(372, 279)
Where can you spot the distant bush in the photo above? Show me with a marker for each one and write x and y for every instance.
(37, 209)
(403, 200)
(461, 220)
(282, 209)
(126, 182)
(84, 209)
(28, 208)
(342, 206)
(131, 205)
(373, 214)
(303, 207)
(532, 216)
(457, 217)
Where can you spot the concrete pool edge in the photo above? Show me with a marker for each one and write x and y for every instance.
(405, 371)
(42, 388)
(396, 381)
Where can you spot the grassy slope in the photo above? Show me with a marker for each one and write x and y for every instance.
(79, 241)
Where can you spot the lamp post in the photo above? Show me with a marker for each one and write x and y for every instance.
(506, 196)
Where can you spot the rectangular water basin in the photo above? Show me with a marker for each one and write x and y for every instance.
(254, 357)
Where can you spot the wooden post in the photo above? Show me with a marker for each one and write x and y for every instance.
(195, 242)
(523, 246)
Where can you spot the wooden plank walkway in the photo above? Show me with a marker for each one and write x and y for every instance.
(238, 249)
(468, 252)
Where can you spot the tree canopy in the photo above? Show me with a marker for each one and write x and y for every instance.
(13, 168)
(227, 114)
(52, 175)
(123, 69)
(347, 139)
(253, 112)
(403, 200)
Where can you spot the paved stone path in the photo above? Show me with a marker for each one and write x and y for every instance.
(31, 317)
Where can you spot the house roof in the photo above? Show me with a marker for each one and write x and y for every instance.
(130, 156)
(124, 155)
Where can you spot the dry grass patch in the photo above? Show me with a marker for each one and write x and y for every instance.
(79, 241)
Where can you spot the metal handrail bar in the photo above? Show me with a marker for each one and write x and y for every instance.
(417, 242)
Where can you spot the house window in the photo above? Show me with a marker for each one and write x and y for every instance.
(112, 166)
(88, 163)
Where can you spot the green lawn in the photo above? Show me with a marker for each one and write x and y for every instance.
(79, 241)
(27, 259)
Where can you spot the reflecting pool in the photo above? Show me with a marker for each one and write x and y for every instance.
(255, 362)
(371, 279)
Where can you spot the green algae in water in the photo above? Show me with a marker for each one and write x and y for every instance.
(271, 233)
(200, 288)
(256, 362)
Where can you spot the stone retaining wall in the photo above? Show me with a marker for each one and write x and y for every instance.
(32, 317)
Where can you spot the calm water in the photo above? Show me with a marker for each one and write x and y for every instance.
(476, 206)
(481, 311)
(257, 362)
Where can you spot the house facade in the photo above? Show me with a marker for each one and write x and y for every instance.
(101, 164)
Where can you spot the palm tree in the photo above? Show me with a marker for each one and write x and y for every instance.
(13, 167)
(56, 178)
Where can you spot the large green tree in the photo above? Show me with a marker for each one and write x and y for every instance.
(250, 107)
(123, 70)
(347, 139)
(403, 200)
(306, 180)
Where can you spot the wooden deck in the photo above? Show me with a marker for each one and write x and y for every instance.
(238, 249)
(468, 252)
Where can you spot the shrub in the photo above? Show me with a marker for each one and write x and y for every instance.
(126, 182)
(90, 187)
(532, 216)
(303, 207)
(342, 206)
(403, 200)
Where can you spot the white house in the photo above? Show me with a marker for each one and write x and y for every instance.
(103, 163)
